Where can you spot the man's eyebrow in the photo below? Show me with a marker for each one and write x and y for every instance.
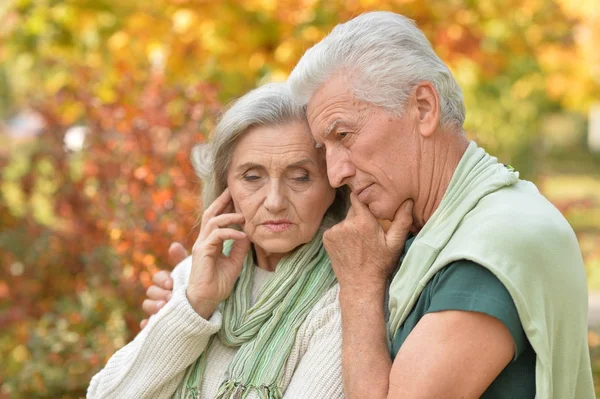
(332, 127)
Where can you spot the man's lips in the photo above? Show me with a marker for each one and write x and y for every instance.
(363, 192)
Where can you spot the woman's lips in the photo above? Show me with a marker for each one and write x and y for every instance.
(277, 227)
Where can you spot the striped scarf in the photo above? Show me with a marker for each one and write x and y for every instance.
(265, 332)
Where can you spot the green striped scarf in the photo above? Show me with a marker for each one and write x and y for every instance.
(265, 332)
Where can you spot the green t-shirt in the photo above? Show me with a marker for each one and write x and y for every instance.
(465, 285)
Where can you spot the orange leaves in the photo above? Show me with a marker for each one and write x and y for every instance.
(146, 82)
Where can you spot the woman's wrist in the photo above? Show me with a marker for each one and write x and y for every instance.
(204, 307)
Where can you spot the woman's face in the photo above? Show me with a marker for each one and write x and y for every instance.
(278, 181)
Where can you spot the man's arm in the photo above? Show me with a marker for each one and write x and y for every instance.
(363, 256)
(366, 361)
(451, 354)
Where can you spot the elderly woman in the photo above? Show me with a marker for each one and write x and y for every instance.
(254, 311)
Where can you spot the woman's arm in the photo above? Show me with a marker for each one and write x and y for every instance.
(153, 364)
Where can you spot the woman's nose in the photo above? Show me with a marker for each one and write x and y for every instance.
(276, 200)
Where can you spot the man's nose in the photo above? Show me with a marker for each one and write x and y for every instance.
(339, 168)
(276, 200)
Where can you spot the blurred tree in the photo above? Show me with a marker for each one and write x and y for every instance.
(125, 88)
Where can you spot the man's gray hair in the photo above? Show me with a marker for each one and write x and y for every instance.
(269, 105)
(384, 55)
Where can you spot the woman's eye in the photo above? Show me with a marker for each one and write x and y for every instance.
(302, 178)
(251, 178)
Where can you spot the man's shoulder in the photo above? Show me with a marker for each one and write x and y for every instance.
(519, 211)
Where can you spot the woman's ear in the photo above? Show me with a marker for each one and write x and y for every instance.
(428, 106)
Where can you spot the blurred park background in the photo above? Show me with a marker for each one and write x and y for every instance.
(101, 101)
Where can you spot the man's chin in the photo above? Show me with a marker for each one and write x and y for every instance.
(381, 212)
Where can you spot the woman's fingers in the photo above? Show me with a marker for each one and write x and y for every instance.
(219, 221)
(223, 220)
(218, 206)
(214, 241)
(143, 324)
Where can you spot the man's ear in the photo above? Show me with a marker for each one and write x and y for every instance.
(428, 106)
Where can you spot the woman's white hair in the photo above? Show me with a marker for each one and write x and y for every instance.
(268, 105)
(384, 55)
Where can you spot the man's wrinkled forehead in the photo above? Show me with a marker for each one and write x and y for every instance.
(327, 106)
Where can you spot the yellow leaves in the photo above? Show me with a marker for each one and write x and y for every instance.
(115, 234)
(368, 3)
(71, 112)
(455, 32)
(14, 198)
(285, 53)
(465, 72)
(311, 34)
(257, 60)
(21, 354)
(118, 41)
(580, 8)
(42, 208)
(593, 339)
(522, 88)
(183, 20)
(106, 94)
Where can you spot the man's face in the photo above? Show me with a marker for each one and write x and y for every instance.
(368, 148)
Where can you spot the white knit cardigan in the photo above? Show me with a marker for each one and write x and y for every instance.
(153, 364)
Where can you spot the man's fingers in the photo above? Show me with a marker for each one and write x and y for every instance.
(158, 294)
(162, 279)
(351, 213)
(177, 253)
(152, 307)
(400, 227)
(143, 324)
(358, 207)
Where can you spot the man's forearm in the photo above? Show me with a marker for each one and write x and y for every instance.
(366, 362)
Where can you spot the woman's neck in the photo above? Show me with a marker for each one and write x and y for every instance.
(265, 260)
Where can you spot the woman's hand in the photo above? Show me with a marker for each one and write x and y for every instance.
(214, 274)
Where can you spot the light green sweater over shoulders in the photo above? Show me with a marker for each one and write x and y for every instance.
(492, 218)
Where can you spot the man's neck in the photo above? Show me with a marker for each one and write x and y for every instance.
(440, 159)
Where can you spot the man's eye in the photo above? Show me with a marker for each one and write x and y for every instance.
(341, 135)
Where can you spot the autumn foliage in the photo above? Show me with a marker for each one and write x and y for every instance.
(82, 230)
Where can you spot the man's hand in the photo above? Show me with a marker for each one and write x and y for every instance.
(363, 255)
(361, 252)
(160, 292)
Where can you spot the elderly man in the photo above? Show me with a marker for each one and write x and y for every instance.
(489, 298)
